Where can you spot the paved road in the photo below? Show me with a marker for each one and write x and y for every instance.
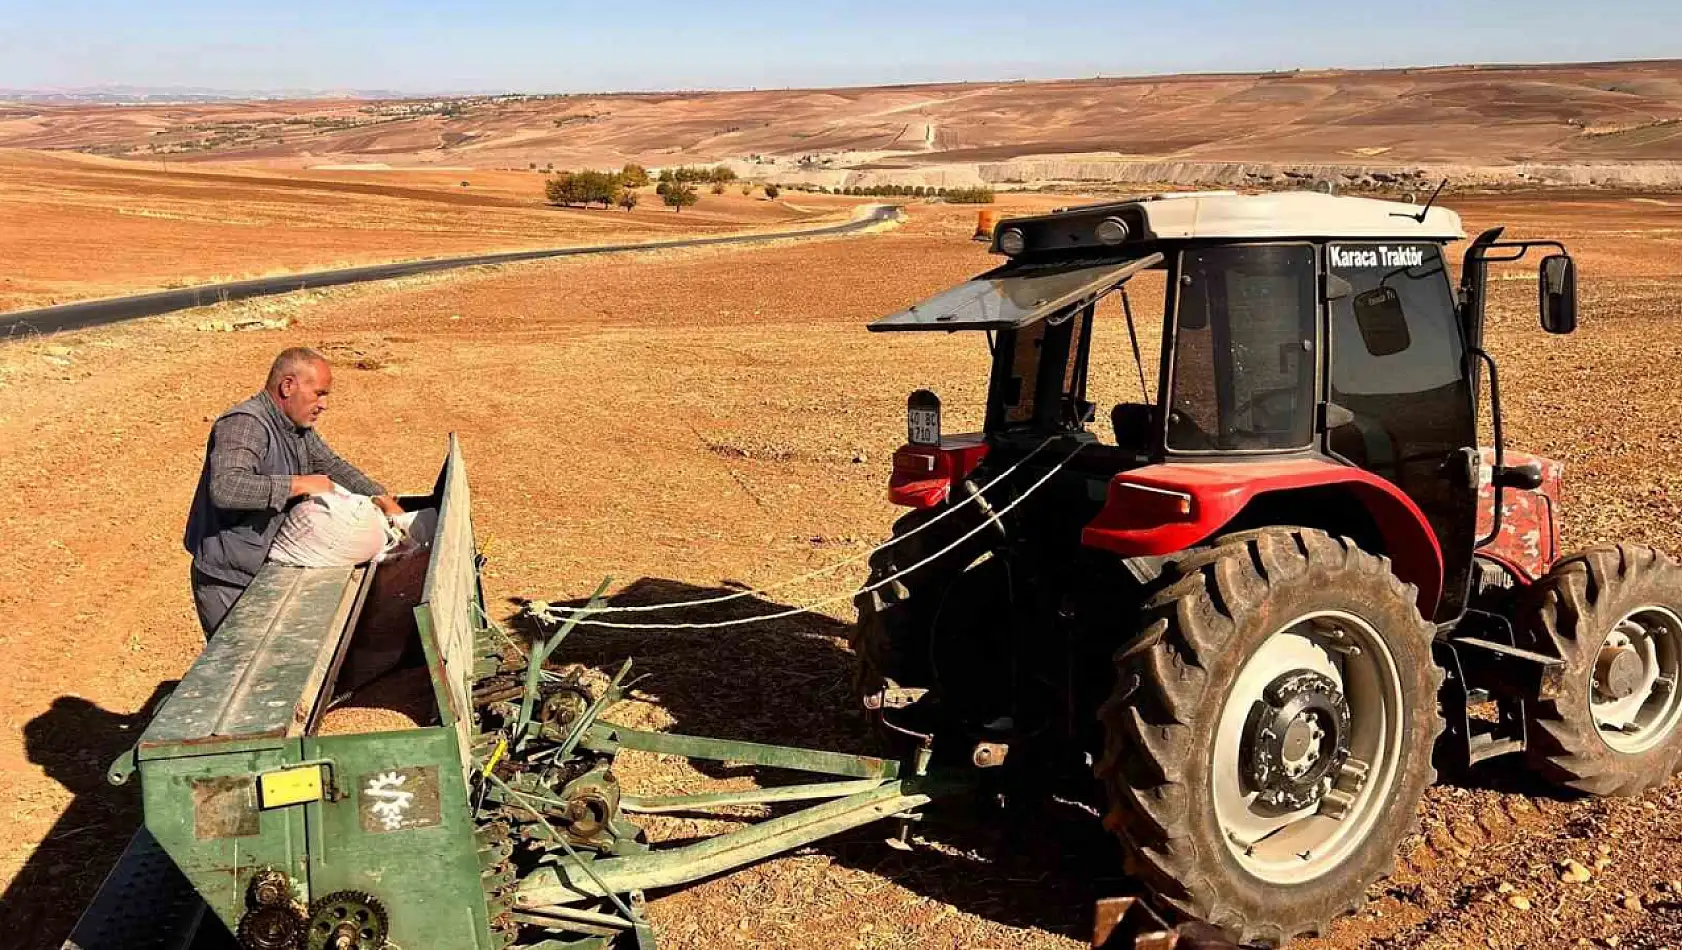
(93, 313)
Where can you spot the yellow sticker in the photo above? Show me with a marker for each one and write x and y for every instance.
(289, 787)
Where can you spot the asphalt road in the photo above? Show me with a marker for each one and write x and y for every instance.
(93, 313)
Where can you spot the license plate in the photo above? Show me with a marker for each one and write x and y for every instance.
(923, 426)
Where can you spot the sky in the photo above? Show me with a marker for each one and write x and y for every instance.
(418, 46)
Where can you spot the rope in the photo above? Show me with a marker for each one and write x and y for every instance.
(640, 608)
(868, 588)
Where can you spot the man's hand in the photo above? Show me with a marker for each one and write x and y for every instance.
(388, 505)
(311, 485)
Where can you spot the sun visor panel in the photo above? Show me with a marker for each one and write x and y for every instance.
(1014, 295)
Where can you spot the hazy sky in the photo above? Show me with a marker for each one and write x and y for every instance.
(428, 45)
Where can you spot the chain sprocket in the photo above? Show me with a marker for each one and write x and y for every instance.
(347, 920)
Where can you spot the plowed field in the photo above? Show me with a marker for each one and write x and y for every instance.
(690, 420)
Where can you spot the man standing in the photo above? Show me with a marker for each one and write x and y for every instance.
(263, 454)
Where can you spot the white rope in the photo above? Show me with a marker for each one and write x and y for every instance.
(868, 588)
(801, 578)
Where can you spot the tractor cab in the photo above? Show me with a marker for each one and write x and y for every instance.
(1312, 346)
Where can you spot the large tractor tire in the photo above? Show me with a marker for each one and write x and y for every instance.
(1613, 724)
(892, 640)
(1271, 730)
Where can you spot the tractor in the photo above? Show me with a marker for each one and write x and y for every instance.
(1256, 612)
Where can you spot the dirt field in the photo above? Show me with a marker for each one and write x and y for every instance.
(1474, 114)
(708, 417)
(74, 226)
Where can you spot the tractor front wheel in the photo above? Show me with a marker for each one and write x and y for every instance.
(1270, 733)
(1613, 723)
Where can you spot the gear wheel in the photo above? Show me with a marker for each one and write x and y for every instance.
(271, 927)
(347, 920)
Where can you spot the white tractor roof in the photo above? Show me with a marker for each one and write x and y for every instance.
(1292, 214)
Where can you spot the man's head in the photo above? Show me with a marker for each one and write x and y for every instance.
(299, 382)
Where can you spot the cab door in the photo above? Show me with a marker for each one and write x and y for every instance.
(1401, 401)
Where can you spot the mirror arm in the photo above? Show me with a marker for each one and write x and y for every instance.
(1500, 447)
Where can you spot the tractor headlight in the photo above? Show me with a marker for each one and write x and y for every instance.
(1012, 242)
(1112, 231)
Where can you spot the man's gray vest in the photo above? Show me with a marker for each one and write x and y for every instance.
(231, 545)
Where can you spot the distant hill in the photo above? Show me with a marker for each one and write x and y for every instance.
(1470, 115)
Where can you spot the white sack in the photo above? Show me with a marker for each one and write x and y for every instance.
(338, 529)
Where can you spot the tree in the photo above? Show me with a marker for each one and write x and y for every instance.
(667, 176)
(627, 199)
(718, 187)
(662, 188)
(633, 176)
(771, 191)
(680, 195)
(721, 174)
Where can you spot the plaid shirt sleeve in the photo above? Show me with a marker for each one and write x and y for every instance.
(324, 461)
(237, 445)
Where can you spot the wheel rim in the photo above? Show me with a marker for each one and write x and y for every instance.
(1290, 838)
(1632, 685)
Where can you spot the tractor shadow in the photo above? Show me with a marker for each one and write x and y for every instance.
(788, 681)
(74, 741)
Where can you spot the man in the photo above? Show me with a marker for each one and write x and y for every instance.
(262, 455)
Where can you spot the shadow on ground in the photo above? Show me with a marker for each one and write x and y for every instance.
(74, 741)
(1038, 863)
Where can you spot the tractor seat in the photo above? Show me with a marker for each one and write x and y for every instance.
(1133, 423)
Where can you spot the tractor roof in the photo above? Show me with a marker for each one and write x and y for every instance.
(1227, 215)
(1079, 253)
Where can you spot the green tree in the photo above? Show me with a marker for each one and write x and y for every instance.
(561, 189)
(680, 195)
(721, 174)
(771, 191)
(667, 176)
(633, 176)
(627, 199)
(662, 188)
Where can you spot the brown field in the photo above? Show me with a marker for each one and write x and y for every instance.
(1470, 114)
(75, 226)
(712, 416)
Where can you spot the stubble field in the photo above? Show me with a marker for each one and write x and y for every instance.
(688, 420)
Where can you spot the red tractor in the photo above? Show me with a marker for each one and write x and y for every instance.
(1263, 604)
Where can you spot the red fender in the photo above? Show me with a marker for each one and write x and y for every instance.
(1161, 509)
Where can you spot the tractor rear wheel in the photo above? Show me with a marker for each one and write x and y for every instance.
(893, 638)
(1270, 733)
(1614, 724)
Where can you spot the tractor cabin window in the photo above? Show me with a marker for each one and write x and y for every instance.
(1244, 349)
(1397, 363)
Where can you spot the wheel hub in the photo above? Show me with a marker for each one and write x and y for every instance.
(1618, 672)
(1297, 738)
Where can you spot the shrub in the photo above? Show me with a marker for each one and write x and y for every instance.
(981, 195)
(662, 188)
(771, 191)
(747, 189)
(718, 187)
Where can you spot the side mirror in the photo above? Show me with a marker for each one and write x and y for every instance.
(1558, 280)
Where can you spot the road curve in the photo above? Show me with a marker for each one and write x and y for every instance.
(93, 313)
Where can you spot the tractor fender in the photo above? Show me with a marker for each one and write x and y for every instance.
(1166, 508)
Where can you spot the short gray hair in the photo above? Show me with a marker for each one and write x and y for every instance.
(290, 362)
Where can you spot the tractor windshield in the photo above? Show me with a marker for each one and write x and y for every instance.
(1244, 349)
